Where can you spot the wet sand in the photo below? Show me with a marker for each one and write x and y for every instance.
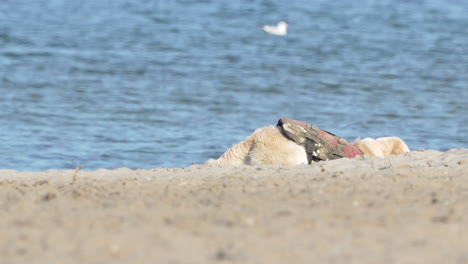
(411, 208)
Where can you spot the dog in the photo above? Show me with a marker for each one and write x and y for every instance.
(382, 147)
(269, 145)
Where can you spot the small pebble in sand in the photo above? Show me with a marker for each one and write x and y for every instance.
(114, 249)
(249, 221)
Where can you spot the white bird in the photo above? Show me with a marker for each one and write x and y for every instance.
(280, 30)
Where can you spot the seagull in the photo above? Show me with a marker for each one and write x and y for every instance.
(280, 30)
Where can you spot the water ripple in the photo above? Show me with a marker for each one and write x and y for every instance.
(146, 84)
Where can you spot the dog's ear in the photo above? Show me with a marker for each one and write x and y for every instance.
(369, 146)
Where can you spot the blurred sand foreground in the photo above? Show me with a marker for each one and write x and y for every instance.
(411, 208)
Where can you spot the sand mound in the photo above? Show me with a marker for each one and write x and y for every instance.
(411, 208)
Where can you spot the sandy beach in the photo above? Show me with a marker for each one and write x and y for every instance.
(411, 208)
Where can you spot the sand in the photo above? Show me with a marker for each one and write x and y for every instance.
(411, 208)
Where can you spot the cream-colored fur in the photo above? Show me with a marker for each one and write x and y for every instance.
(268, 145)
(382, 147)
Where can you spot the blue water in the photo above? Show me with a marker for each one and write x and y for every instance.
(146, 84)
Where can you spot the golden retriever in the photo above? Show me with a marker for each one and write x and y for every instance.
(268, 145)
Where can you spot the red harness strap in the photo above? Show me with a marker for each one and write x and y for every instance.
(319, 144)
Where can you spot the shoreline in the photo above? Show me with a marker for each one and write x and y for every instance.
(411, 208)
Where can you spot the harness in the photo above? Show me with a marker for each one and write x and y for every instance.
(319, 144)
